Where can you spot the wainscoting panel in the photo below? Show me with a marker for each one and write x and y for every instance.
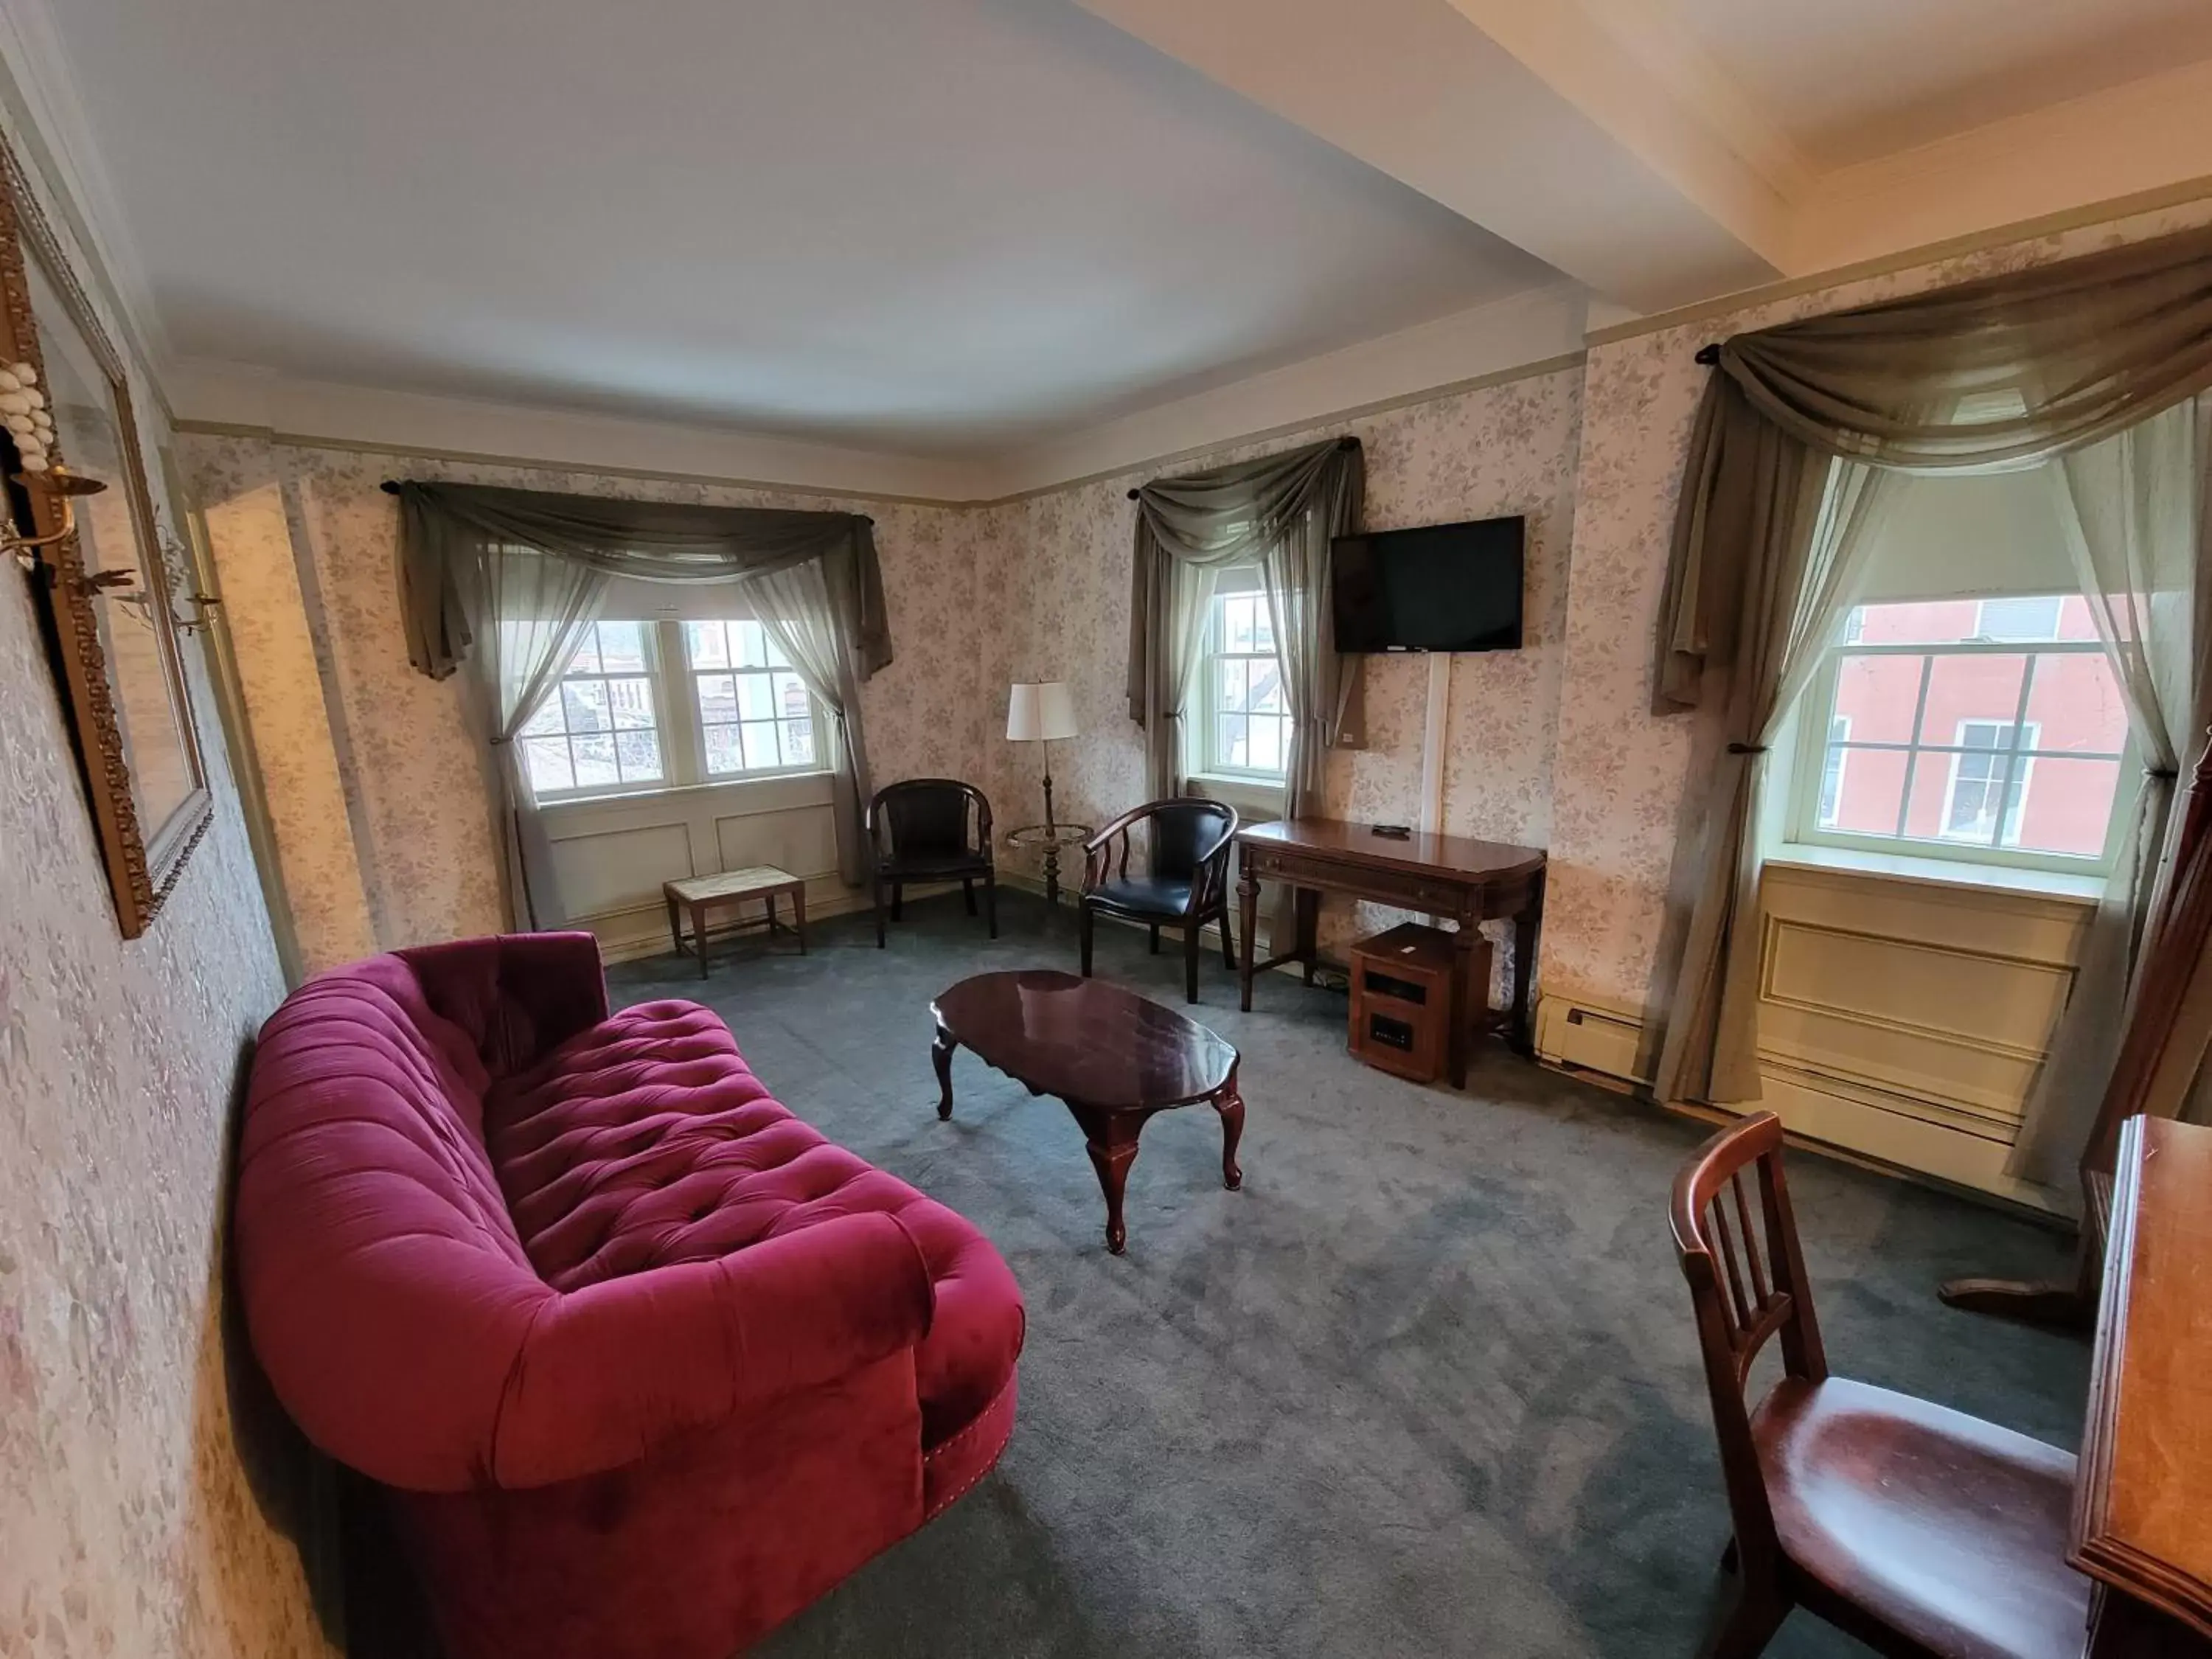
(613, 854)
(1902, 1019)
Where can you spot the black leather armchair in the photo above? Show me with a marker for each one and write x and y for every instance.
(931, 829)
(1187, 886)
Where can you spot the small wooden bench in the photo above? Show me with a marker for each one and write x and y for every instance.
(697, 895)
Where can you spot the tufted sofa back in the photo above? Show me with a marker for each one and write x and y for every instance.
(388, 1293)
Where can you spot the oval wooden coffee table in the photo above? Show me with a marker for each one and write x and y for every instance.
(1115, 1057)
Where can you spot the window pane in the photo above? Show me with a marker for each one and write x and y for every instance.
(798, 742)
(2067, 806)
(586, 659)
(548, 759)
(1833, 765)
(706, 644)
(1241, 623)
(755, 702)
(1868, 792)
(772, 652)
(1267, 681)
(584, 703)
(1877, 695)
(761, 748)
(622, 647)
(1266, 745)
(790, 696)
(1234, 742)
(723, 753)
(1970, 689)
(751, 646)
(718, 698)
(1263, 625)
(546, 722)
(2019, 619)
(1919, 621)
(1232, 682)
(595, 761)
(2074, 704)
(630, 702)
(638, 753)
(1957, 797)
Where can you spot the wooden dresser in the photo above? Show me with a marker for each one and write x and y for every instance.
(2142, 1509)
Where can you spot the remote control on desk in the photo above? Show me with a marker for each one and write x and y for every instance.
(1393, 831)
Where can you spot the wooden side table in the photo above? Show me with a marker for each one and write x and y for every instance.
(697, 895)
(1052, 837)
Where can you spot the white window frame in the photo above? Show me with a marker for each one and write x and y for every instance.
(1843, 767)
(1818, 704)
(697, 724)
(676, 720)
(1236, 582)
(657, 682)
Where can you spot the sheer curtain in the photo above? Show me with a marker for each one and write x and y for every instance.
(1806, 544)
(2072, 355)
(538, 610)
(527, 569)
(2129, 508)
(794, 607)
(1280, 512)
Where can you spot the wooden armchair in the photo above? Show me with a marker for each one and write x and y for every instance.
(1916, 1529)
(1187, 887)
(930, 830)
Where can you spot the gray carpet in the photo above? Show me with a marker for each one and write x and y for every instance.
(1426, 1386)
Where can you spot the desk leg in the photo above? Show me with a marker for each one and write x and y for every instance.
(1526, 922)
(1467, 998)
(699, 935)
(1248, 905)
(1310, 929)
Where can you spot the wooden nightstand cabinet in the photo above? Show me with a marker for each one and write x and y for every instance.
(1402, 1001)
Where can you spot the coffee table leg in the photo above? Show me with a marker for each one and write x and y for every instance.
(940, 1055)
(1230, 1105)
(1111, 1140)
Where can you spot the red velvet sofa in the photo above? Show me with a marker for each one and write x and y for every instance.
(646, 1363)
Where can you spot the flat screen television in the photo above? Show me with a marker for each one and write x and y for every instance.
(1440, 587)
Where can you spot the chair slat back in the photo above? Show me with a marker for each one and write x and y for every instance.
(1736, 1239)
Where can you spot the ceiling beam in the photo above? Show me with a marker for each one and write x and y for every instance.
(1546, 124)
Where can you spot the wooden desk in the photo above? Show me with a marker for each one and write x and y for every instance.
(2142, 1498)
(1466, 881)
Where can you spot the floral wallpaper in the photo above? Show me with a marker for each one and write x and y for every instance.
(1619, 790)
(1056, 568)
(129, 1523)
(406, 824)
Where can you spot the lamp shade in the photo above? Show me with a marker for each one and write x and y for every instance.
(1040, 712)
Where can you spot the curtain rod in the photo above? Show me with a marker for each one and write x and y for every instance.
(1346, 443)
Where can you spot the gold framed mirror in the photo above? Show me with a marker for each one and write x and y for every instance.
(83, 522)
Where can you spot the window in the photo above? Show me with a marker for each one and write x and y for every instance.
(1990, 730)
(660, 704)
(754, 711)
(600, 729)
(1247, 731)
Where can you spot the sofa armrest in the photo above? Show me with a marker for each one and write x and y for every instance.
(607, 1373)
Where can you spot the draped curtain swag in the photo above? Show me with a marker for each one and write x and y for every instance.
(2009, 372)
(527, 570)
(1279, 512)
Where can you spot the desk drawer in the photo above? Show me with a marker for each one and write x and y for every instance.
(1404, 889)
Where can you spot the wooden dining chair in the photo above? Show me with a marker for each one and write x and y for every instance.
(1918, 1529)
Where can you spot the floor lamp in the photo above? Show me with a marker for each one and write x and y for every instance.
(1038, 713)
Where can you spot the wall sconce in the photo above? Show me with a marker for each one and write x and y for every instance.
(62, 485)
(179, 561)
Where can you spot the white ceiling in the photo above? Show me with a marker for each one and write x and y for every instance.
(927, 225)
(1849, 80)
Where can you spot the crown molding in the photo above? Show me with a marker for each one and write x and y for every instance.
(1519, 334)
(234, 399)
(41, 88)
